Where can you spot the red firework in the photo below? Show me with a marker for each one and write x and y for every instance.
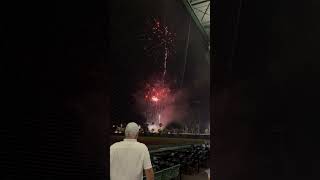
(160, 42)
(158, 35)
(155, 98)
(157, 92)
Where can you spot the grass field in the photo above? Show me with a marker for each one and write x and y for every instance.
(159, 142)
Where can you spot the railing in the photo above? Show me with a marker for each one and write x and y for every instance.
(169, 149)
(167, 174)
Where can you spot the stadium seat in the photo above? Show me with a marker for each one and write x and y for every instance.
(172, 172)
(189, 159)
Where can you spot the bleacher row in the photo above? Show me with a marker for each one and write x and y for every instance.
(170, 164)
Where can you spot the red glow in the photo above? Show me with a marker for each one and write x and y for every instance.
(157, 92)
(154, 98)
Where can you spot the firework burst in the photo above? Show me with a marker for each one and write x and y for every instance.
(157, 93)
(157, 96)
(160, 42)
(160, 103)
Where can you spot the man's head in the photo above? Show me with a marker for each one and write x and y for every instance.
(132, 131)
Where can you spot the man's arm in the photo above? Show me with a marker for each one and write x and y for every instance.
(147, 166)
(149, 174)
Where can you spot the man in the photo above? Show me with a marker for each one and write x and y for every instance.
(208, 172)
(129, 158)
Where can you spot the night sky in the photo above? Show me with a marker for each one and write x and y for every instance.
(132, 67)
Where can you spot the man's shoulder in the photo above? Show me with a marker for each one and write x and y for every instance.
(143, 146)
(138, 145)
(114, 145)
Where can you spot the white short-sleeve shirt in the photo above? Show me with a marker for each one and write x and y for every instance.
(128, 159)
(208, 172)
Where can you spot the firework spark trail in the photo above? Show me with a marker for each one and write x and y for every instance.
(160, 39)
(165, 64)
(161, 45)
(165, 56)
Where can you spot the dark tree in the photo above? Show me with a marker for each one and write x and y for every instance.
(174, 125)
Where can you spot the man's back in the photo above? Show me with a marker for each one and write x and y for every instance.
(128, 158)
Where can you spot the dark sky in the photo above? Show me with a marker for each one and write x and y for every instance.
(132, 66)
